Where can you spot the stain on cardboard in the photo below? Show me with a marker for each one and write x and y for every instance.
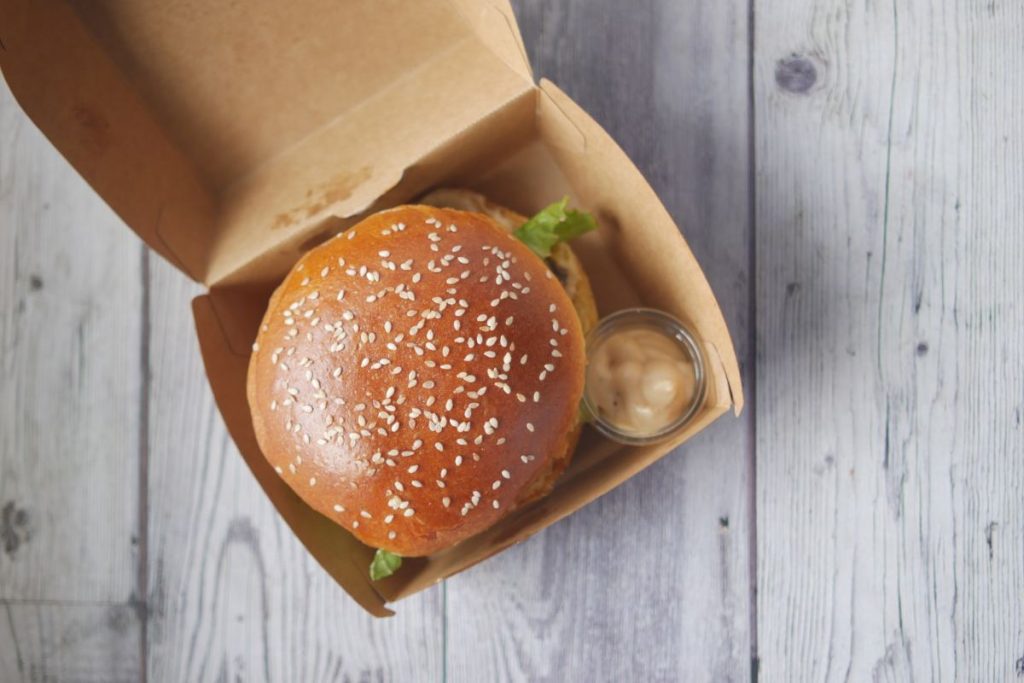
(14, 528)
(93, 129)
(336, 189)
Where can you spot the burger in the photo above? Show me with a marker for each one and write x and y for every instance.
(418, 377)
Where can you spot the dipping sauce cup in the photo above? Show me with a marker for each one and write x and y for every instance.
(645, 376)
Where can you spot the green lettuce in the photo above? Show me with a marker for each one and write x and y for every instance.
(552, 225)
(384, 564)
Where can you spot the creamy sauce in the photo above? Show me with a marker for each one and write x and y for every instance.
(640, 380)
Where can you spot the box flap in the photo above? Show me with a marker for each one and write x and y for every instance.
(217, 130)
(660, 264)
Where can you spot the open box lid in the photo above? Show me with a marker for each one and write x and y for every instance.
(219, 130)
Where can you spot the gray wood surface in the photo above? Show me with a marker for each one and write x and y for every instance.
(890, 379)
(68, 416)
(70, 359)
(65, 641)
(852, 178)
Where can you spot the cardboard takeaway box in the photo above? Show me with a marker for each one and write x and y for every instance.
(234, 136)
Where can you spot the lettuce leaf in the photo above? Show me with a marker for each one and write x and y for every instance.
(552, 225)
(384, 564)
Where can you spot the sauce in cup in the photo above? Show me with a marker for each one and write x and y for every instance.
(645, 376)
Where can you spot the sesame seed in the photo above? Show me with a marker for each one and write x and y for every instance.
(446, 501)
(409, 512)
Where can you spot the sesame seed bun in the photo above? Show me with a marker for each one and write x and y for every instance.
(416, 377)
(567, 267)
(563, 261)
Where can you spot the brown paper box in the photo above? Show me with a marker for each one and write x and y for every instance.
(232, 137)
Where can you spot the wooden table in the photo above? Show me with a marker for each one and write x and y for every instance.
(850, 174)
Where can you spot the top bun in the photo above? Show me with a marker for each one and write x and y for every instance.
(414, 377)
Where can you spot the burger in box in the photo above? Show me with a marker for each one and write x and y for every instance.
(419, 376)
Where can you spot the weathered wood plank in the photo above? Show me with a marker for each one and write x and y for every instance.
(232, 593)
(83, 643)
(889, 154)
(651, 581)
(69, 400)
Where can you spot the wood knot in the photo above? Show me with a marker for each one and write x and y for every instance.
(796, 74)
(14, 528)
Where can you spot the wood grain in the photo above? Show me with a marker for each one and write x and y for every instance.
(650, 582)
(69, 331)
(232, 593)
(890, 380)
(69, 357)
(85, 643)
